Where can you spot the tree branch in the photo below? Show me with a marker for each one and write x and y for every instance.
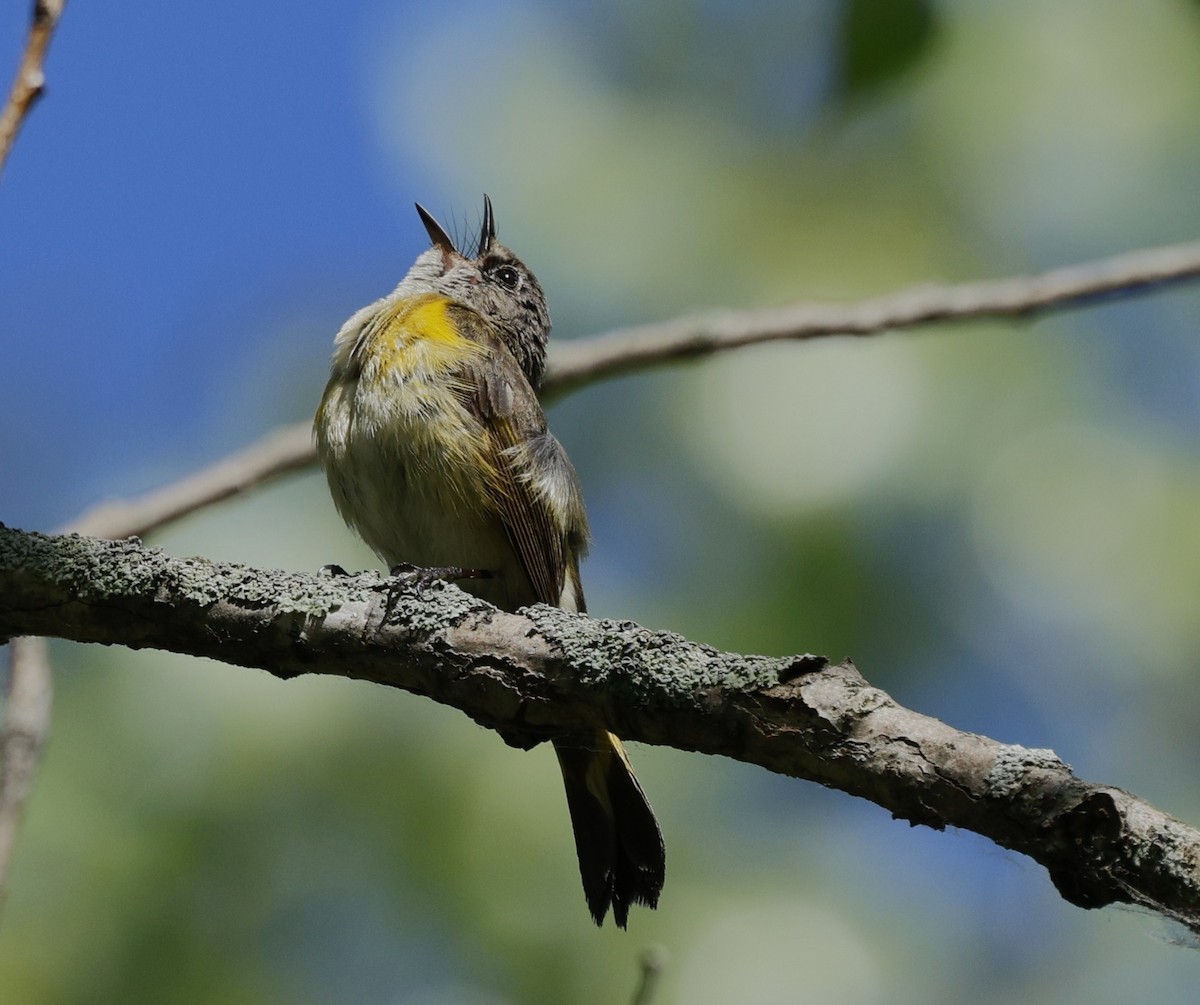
(31, 75)
(289, 448)
(26, 722)
(635, 348)
(544, 672)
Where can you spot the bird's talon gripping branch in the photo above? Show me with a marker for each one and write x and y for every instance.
(422, 576)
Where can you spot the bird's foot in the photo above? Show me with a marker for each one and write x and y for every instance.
(422, 576)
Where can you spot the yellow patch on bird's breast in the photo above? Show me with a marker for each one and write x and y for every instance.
(418, 333)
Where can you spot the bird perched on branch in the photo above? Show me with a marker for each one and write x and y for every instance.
(437, 452)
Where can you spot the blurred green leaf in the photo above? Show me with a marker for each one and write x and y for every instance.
(881, 40)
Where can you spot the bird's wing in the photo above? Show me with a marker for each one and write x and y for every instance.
(536, 490)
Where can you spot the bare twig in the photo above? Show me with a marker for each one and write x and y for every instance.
(285, 449)
(31, 75)
(600, 357)
(26, 725)
(544, 672)
(636, 348)
(623, 350)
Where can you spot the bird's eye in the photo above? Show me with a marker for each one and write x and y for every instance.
(507, 276)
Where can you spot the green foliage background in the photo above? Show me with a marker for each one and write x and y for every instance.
(997, 522)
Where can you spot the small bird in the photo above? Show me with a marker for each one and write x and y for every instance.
(437, 452)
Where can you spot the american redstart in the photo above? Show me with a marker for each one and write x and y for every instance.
(437, 453)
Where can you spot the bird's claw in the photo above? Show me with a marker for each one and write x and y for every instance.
(422, 576)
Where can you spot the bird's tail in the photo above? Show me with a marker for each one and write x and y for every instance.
(622, 860)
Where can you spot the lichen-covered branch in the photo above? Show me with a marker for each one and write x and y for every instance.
(544, 672)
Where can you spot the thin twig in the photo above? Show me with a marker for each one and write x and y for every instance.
(26, 725)
(288, 448)
(600, 357)
(31, 75)
(641, 346)
(622, 350)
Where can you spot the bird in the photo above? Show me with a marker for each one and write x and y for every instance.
(437, 452)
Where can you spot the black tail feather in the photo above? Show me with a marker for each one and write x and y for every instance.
(622, 860)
